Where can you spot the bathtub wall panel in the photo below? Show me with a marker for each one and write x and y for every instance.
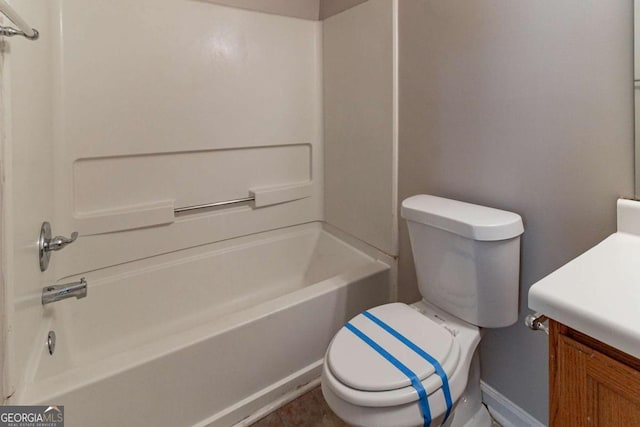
(359, 123)
(198, 103)
(26, 130)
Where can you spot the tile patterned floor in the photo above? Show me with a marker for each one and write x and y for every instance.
(309, 410)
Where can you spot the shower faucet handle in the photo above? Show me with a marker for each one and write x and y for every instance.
(59, 242)
(48, 244)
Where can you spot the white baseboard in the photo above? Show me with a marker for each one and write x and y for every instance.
(504, 411)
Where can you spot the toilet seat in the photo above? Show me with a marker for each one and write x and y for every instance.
(361, 376)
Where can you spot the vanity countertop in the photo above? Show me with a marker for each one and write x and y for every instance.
(598, 293)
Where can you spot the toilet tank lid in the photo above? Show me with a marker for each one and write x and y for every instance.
(464, 219)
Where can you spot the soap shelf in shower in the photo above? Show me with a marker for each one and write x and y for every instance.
(268, 196)
(164, 212)
(260, 197)
(127, 218)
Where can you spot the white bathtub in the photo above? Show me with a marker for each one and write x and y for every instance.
(205, 336)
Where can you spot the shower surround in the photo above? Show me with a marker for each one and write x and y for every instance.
(193, 316)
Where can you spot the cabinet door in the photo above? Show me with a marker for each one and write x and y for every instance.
(591, 389)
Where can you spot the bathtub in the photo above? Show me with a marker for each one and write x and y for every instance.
(206, 336)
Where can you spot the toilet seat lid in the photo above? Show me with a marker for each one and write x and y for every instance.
(358, 365)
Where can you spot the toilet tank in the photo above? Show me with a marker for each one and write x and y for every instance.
(467, 258)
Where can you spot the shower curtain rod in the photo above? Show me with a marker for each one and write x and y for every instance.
(24, 29)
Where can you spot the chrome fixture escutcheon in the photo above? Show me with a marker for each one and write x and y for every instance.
(51, 342)
(47, 244)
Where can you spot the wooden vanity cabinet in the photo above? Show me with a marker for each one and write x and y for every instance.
(591, 383)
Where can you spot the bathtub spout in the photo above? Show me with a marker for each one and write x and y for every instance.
(56, 293)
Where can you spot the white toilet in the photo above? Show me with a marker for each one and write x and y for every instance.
(397, 365)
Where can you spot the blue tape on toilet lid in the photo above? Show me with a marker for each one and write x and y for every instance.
(357, 366)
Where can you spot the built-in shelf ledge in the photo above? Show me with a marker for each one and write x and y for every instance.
(127, 218)
(268, 196)
(163, 212)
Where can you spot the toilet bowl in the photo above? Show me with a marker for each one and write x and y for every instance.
(394, 403)
(400, 365)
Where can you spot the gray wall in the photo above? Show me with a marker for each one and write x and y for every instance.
(525, 106)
